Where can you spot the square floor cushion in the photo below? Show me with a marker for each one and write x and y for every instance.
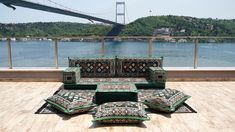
(121, 112)
(70, 102)
(113, 92)
(166, 100)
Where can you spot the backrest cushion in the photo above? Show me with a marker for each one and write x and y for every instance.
(136, 67)
(94, 67)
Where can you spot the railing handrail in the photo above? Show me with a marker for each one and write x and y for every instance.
(102, 38)
(129, 37)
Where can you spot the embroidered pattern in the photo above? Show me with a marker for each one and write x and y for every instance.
(94, 67)
(116, 87)
(136, 67)
(115, 67)
(166, 100)
(70, 102)
(113, 80)
(157, 74)
(71, 75)
(112, 92)
(121, 112)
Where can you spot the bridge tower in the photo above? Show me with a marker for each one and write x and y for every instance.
(120, 12)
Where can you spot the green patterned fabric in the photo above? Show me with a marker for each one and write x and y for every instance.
(121, 112)
(94, 67)
(112, 92)
(115, 66)
(166, 100)
(116, 87)
(136, 66)
(70, 102)
(157, 76)
(113, 80)
(71, 75)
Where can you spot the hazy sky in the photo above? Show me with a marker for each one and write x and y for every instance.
(135, 9)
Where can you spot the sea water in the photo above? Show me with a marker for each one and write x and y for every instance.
(41, 53)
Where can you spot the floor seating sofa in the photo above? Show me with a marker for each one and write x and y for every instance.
(84, 73)
(116, 97)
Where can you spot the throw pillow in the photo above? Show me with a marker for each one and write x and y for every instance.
(70, 102)
(166, 100)
(121, 112)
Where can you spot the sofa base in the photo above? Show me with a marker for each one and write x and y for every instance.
(151, 86)
(102, 97)
(94, 86)
(80, 87)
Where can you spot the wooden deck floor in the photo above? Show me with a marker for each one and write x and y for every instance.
(214, 102)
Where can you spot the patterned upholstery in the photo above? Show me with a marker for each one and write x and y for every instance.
(136, 67)
(166, 100)
(71, 75)
(121, 112)
(113, 80)
(157, 74)
(94, 67)
(116, 70)
(112, 92)
(115, 67)
(116, 87)
(70, 102)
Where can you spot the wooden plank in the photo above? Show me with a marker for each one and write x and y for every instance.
(214, 102)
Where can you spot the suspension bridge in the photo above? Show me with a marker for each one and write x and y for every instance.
(69, 12)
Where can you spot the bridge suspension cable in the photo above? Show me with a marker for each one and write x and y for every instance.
(74, 10)
(43, 7)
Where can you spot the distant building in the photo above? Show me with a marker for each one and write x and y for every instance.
(65, 39)
(13, 39)
(182, 40)
(162, 31)
(182, 30)
(23, 39)
(4, 39)
(169, 39)
(44, 39)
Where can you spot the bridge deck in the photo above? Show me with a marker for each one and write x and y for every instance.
(37, 6)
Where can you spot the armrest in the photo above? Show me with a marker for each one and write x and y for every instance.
(71, 75)
(157, 76)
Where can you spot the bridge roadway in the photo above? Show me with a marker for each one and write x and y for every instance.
(37, 6)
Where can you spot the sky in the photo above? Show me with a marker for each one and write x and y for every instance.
(222, 9)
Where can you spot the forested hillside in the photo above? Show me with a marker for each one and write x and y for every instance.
(179, 25)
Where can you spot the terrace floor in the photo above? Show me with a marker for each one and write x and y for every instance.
(214, 102)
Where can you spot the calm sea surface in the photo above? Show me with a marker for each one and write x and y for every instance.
(41, 53)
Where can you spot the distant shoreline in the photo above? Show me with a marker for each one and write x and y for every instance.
(168, 40)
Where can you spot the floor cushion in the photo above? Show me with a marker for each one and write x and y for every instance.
(70, 102)
(121, 112)
(166, 100)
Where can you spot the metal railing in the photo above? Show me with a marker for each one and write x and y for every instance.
(102, 40)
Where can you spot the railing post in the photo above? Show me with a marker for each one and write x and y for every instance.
(150, 47)
(102, 47)
(196, 54)
(56, 53)
(9, 53)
